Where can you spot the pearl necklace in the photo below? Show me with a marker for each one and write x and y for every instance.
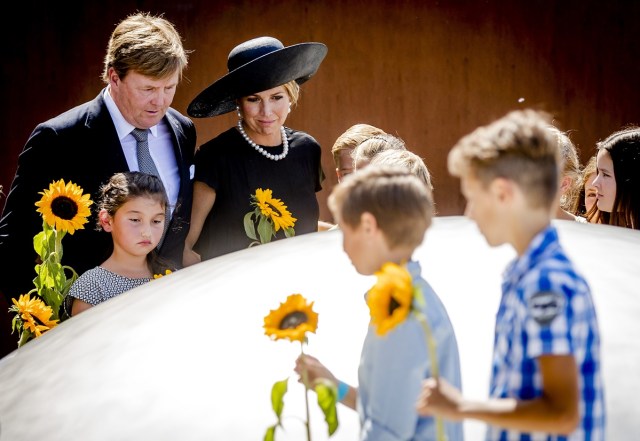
(285, 144)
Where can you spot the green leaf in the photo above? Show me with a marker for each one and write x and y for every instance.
(249, 228)
(51, 275)
(59, 277)
(16, 323)
(59, 247)
(69, 280)
(327, 393)
(271, 433)
(25, 336)
(41, 277)
(289, 232)
(45, 241)
(39, 243)
(265, 230)
(278, 391)
(52, 298)
(49, 241)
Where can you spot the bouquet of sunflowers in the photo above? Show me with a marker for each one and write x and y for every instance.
(64, 209)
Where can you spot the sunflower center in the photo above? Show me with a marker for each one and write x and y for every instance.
(36, 319)
(64, 207)
(275, 212)
(293, 320)
(393, 305)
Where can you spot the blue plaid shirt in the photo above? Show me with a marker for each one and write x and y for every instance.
(546, 309)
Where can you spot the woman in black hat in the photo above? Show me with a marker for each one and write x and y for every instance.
(259, 152)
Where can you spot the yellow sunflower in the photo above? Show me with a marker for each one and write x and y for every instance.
(292, 320)
(274, 209)
(64, 207)
(35, 314)
(390, 298)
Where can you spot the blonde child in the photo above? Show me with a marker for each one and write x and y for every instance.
(347, 142)
(569, 191)
(406, 159)
(588, 193)
(546, 381)
(369, 148)
(342, 150)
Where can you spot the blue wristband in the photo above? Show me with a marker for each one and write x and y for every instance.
(343, 388)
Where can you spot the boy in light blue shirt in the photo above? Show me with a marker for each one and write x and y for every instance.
(383, 213)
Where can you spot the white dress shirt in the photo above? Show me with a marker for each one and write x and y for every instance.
(160, 148)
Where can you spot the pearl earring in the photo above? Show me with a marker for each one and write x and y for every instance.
(289, 108)
(240, 115)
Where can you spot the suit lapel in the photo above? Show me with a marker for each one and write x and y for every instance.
(179, 138)
(104, 136)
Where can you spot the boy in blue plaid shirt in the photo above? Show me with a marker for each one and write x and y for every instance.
(546, 381)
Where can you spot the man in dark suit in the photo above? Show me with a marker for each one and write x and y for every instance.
(86, 145)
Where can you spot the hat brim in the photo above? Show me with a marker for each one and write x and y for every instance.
(298, 62)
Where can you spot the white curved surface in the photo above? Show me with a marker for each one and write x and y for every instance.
(185, 357)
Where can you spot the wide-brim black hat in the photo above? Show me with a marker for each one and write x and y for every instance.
(256, 65)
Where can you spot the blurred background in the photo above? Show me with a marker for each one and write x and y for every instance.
(427, 71)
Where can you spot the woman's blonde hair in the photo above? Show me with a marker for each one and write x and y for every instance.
(293, 90)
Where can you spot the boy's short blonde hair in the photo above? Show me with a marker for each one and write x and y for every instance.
(407, 159)
(352, 137)
(398, 199)
(518, 147)
(365, 151)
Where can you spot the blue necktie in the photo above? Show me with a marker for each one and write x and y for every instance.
(145, 161)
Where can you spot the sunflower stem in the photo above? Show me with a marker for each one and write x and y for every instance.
(58, 251)
(25, 336)
(433, 355)
(305, 380)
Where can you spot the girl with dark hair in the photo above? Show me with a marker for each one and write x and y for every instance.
(618, 180)
(132, 208)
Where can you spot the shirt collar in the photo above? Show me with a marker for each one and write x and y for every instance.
(537, 249)
(413, 266)
(122, 125)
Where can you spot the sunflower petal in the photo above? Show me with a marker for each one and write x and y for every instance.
(292, 320)
(390, 299)
(64, 206)
(29, 310)
(271, 211)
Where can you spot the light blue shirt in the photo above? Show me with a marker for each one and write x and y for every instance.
(392, 368)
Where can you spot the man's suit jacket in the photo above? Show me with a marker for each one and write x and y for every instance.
(80, 145)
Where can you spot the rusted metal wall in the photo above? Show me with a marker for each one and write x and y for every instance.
(427, 71)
